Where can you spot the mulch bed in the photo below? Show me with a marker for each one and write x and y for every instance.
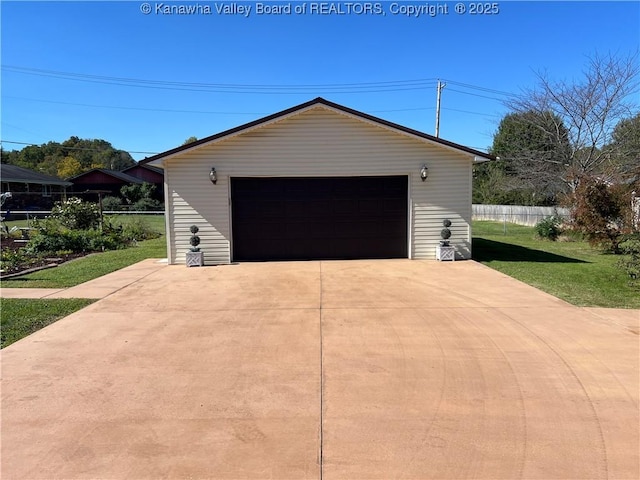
(35, 263)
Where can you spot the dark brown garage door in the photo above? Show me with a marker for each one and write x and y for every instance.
(319, 218)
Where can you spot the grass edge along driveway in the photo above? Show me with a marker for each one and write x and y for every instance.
(569, 269)
(22, 317)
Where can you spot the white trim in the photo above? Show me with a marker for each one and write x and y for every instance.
(229, 204)
(168, 218)
(410, 221)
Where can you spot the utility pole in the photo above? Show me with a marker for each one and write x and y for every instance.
(440, 87)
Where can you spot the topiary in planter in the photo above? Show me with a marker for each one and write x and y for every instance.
(445, 233)
(195, 240)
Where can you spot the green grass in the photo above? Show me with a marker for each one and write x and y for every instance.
(570, 270)
(22, 317)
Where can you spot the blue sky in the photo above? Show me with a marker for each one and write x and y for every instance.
(308, 55)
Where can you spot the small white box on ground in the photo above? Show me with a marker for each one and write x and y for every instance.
(445, 253)
(195, 259)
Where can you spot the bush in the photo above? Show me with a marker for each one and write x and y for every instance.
(630, 263)
(146, 205)
(10, 259)
(54, 237)
(549, 228)
(602, 212)
(132, 229)
(76, 214)
(141, 197)
(112, 204)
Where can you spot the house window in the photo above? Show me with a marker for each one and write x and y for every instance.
(46, 190)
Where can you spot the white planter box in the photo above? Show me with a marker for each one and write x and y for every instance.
(195, 259)
(445, 253)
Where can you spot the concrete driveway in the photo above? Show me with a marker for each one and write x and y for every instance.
(335, 370)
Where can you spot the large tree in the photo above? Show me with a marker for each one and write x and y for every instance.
(589, 108)
(532, 147)
(625, 147)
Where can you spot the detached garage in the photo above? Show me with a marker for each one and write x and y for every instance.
(317, 181)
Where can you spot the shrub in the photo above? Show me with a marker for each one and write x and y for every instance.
(141, 197)
(146, 205)
(630, 263)
(601, 212)
(10, 259)
(76, 214)
(549, 228)
(112, 204)
(133, 229)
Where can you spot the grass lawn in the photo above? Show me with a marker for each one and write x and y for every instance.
(22, 317)
(570, 270)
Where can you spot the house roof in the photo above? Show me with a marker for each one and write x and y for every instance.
(148, 167)
(479, 156)
(112, 173)
(13, 173)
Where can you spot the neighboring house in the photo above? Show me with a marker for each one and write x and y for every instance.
(30, 190)
(317, 181)
(109, 182)
(149, 174)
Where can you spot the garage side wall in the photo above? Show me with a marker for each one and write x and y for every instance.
(317, 142)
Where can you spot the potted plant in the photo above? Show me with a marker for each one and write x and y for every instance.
(195, 258)
(444, 251)
(445, 233)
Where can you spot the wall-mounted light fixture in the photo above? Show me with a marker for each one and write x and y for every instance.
(424, 173)
(213, 176)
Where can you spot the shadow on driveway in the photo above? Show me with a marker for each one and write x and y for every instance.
(489, 250)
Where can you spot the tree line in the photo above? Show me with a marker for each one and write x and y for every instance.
(561, 133)
(69, 158)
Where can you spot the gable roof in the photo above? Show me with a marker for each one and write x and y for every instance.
(147, 167)
(14, 173)
(112, 173)
(479, 156)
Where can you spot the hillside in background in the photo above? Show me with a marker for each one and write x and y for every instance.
(69, 158)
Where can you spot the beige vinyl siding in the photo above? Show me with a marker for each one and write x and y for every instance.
(316, 142)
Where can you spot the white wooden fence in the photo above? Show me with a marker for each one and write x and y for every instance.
(519, 214)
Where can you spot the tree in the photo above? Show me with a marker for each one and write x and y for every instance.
(532, 147)
(588, 109)
(46, 158)
(69, 167)
(140, 196)
(190, 140)
(625, 147)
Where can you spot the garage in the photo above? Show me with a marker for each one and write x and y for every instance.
(317, 181)
(294, 218)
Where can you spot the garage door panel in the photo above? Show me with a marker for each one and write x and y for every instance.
(319, 218)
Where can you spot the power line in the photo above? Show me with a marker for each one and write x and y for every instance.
(475, 94)
(168, 110)
(484, 89)
(291, 89)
